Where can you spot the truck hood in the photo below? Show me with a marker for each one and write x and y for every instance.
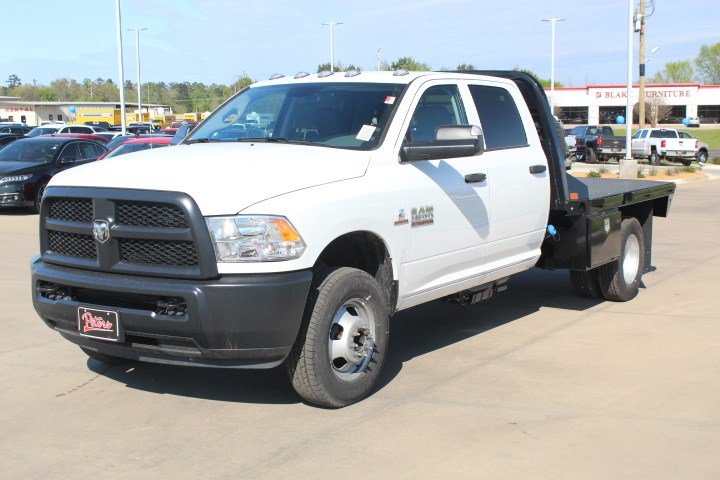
(223, 178)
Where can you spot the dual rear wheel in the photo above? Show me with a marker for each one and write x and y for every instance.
(617, 281)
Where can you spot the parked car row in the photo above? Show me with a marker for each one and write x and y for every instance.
(597, 143)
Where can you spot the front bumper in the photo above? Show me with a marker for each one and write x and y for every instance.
(236, 321)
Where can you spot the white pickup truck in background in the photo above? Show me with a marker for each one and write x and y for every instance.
(656, 144)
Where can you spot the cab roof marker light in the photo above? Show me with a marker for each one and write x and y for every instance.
(301, 75)
(352, 73)
(325, 73)
(400, 72)
(275, 76)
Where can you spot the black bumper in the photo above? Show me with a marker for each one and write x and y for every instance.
(236, 321)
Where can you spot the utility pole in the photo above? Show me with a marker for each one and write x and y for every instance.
(377, 63)
(332, 58)
(118, 25)
(137, 49)
(641, 90)
(553, 21)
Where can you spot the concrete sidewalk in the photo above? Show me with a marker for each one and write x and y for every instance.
(537, 383)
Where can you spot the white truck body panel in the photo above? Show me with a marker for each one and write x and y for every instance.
(668, 144)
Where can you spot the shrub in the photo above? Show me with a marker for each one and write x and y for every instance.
(594, 174)
(687, 169)
(715, 160)
(670, 172)
(653, 171)
(603, 171)
(640, 173)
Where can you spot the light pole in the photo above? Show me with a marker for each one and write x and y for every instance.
(118, 24)
(137, 45)
(332, 58)
(553, 21)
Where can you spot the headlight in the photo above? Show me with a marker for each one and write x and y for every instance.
(16, 178)
(254, 238)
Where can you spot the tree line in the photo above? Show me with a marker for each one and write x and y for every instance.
(180, 96)
(705, 67)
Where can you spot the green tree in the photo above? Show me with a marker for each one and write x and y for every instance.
(408, 63)
(544, 82)
(13, 81)
(675, 72)
(708, 64)
(465, 67)
(338, 67)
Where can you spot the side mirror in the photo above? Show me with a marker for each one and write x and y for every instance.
(451, 141)
(67, 161)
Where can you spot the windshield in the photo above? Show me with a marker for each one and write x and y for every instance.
(42, 131)
(341, 115)
(34, 151)
(133, 147)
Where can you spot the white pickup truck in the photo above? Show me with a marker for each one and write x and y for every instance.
(367, 193)
(658, 143)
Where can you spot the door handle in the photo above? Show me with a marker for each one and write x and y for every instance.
(538, 169)
(475, 177)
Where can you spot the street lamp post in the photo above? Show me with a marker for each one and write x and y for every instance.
(332, 58)
(553, 21)
(137, 49)
(118, 24)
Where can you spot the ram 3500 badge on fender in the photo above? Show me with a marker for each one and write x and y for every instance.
(293, 241)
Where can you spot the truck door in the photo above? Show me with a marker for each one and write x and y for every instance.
(517, 177)
(447, 212)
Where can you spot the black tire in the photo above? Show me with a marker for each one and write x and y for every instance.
(611, 277)
(591, 156)
(654, 158)
(702, 156)
(38, 197)
(101, 357)
(586, 283)
(580, 156)
(314, 375)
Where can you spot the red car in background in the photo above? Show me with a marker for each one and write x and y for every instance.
(136, 145)
(84, 136)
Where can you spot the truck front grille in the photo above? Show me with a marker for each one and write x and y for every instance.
(71, 244)
(72, 209)
(150, 233)
(150, 215)
(158, 252)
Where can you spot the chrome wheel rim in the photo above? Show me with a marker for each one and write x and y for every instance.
(631, 260)
(351, 340)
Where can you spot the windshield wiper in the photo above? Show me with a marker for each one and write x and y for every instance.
(273, 140)
(198, 140)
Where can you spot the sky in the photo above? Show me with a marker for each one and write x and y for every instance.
(215, 41)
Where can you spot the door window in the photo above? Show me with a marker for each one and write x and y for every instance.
(499, 117)
(70, 151)
(439, 105)
(88, 151)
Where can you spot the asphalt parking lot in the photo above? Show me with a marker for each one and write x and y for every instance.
(536, 383)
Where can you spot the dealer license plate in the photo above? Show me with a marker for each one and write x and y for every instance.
(100, 324)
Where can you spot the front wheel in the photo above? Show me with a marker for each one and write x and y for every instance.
(619, 281)
(38, 198)
(341, 348)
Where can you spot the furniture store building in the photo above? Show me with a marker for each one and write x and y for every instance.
(596, 104)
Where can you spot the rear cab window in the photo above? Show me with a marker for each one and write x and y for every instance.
(663, 134)
(499, 117)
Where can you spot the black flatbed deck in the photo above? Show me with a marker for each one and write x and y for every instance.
(602, 193)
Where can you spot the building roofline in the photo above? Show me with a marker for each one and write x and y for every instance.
(39, 104)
